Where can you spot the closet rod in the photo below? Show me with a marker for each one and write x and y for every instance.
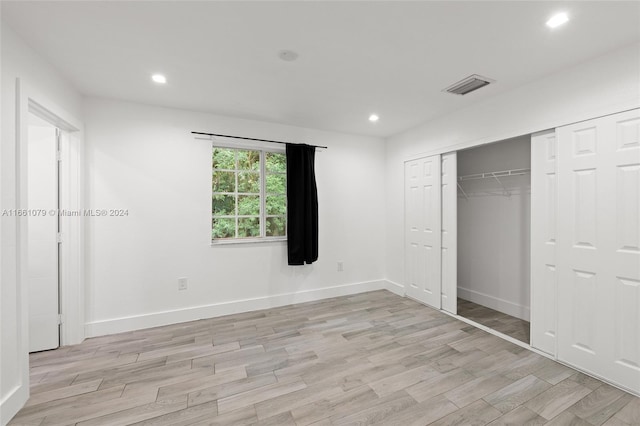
(251, 139)
(494, 175)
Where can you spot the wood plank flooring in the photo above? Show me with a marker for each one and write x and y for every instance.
(505, 324)
(372, 358)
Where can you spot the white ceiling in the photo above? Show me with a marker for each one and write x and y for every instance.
(392, 58)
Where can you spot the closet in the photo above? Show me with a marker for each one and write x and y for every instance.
(541, 229)
(493, 221)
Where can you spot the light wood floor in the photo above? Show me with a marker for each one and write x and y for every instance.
(373, 358)
(505, 324)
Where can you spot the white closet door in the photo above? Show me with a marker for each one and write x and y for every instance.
(544, 280)
(450, 232)
(599, 247)
(423, 230)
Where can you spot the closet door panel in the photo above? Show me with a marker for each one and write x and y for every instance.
(544, 279)
(423, 230)
(598, 253)
(624, 250)
(449, 232)
(580, 250)
(413, 204)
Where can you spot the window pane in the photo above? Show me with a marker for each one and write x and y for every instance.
(223, 228)
(248, 205)
(276, 204)
(248, 227)
(239, 171)
(249, 160)
(249, 182)
(224, 181)
(276, 226)
(223, 205)
(224, 158)
(276, 184)
(276, 162)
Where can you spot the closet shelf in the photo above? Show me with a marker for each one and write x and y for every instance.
(493, 175)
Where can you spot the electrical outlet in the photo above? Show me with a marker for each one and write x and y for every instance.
(183, 283)
(340, 266)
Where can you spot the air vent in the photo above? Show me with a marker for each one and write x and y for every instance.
(468, 85)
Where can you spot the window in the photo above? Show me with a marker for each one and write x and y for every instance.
(249, 198)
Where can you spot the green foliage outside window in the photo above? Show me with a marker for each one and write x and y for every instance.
(238, 191)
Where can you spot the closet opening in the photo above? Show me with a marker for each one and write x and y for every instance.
(493, 247)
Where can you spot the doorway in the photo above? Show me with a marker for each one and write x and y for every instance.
(494, 221)
(70, 253)
(51, 140)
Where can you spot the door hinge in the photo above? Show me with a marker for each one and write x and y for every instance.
(59, 237)
(59, 319)
(58, 155)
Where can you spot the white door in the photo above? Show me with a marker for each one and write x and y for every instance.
(423, 230)
(450, 232)
(599, 247)
(42, 241)
(544, 203)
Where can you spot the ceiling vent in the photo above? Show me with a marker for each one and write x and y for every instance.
(468, 85)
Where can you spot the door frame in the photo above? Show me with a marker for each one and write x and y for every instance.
(544, 237)
(71, 261)
(449, 209)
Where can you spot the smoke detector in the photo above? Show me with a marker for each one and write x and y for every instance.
(469, 84)
(287, 55)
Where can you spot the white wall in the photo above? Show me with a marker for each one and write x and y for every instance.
(19, 61)
(604, 85)
(145, 159)
(494, 230)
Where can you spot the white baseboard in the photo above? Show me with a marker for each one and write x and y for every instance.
(156, 319)
(509, 308)
(10, 405)
(395, 288)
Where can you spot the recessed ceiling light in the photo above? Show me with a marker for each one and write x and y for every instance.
(557, 20)
(373, 118)
(159, 78)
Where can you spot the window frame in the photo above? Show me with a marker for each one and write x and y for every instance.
(263, 149)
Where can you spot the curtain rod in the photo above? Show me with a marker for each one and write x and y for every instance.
(251, 139)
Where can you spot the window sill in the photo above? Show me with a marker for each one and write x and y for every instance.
(233, 242)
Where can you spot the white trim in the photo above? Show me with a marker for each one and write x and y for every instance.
(71, 186)
(231, 241)
(72, 250)
(449, 243)
(18, 396)
(395, 288)
(501, 305)
(157, 319)
(12, 403)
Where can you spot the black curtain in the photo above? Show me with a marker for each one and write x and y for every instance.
(302, 205)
